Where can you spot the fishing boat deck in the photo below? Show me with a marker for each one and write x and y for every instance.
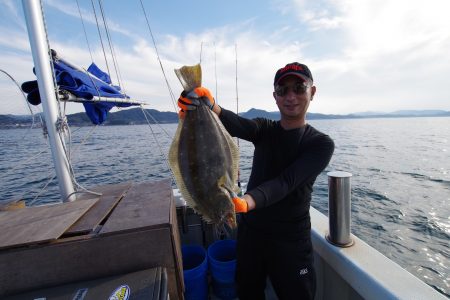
(130, 227)
(136, 227)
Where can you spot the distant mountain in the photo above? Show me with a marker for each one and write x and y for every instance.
(259, 113)
(404, 113)
(135, 116)
(132, 116)
(420, 113)
(275, 115)
(15, 121)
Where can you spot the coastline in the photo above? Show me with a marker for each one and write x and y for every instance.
(136, 117)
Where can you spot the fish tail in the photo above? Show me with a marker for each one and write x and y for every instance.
(190, 76)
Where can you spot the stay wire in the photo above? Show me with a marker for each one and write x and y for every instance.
(156, 122)
(84, 29)
(41, 191)
(32, 125)
(111, 46)
(51, 177)
(201, 51)
(165, 158)
(22, 163)
(100, 36)
(237, 109)
(159, 59)
(70, 158)
(23, 94)
(215, 69)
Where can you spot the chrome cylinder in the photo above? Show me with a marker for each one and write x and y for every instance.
(339, 208)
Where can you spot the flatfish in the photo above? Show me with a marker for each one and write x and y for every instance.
(204, 158)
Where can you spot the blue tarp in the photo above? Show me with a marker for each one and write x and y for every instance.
(84, 86)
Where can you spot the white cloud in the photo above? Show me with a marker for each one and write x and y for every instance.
(365, 55)
(391, 55)
(317, 15)
(14, 40)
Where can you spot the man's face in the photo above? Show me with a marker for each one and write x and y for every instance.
(292, 96)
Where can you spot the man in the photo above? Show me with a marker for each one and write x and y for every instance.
(274, 233)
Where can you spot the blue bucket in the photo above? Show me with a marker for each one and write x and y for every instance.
(195, 267)
(222, 265)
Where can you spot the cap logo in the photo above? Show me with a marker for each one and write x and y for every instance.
(292, 67)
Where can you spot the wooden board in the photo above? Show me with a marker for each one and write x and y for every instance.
(144, 206)
(40, 224)
(111, 194)
(93, 256)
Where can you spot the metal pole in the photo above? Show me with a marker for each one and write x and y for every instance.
(339, 208)
(40, 50)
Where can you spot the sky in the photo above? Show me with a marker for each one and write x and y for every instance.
(365, 55)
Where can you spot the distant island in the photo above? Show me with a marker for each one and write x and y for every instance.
(135, 116)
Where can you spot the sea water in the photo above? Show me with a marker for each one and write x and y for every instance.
(400, 183)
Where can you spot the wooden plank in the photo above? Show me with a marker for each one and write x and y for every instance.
(146, 205)
(40, 224)
(111, 194)
(176, 245)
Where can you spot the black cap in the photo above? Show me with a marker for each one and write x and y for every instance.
(296, 69)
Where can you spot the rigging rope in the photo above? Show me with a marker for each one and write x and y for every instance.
(85, 34)
(117, 70)
(111, 46)
(237, 110)
(100, 37)
(40, 192)
(215, 69)
(25, 97)
(159, 59)
(156, 122)
(71, 154)
(23, 162)
(166, 160)
(201, 51)
(237, 92)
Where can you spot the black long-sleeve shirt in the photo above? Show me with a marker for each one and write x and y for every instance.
(285, 166)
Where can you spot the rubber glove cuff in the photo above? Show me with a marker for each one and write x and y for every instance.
(240, 205)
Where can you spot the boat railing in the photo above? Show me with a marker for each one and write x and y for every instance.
(347, 267)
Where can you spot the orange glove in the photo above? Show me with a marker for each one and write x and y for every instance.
(240, 205)
(190, 101)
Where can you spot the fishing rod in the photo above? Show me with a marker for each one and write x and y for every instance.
(237, 112)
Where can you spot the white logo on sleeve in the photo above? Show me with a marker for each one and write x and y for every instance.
(303, 271)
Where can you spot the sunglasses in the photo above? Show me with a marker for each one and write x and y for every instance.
(298, 89)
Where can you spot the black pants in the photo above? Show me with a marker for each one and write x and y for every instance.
(288, 264)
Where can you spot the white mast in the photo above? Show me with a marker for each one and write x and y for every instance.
(41, 57)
